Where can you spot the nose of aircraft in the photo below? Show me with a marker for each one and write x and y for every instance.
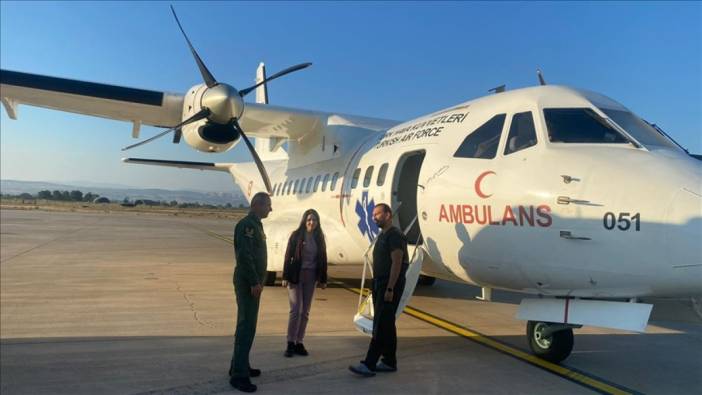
(683, 238)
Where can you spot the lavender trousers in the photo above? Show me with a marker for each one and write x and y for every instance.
(300, 296)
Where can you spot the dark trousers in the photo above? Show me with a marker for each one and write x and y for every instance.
(246, 319)
(384, 340)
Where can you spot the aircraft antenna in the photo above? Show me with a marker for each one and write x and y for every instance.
(541, 77)
(498, 89)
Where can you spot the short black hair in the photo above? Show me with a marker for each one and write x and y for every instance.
(259, 198)
(386, 208)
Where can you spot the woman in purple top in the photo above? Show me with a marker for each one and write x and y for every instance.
(305, 266)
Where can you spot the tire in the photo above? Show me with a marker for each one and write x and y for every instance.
(426, 280)
(270, 278)
(554, 348)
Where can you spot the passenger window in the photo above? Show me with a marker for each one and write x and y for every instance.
(521, 133)
(289, 187)
(580, 125)
(335, 178)
(324, 183)
(381, 174)
(275, 189)
(354, 179)
(482, 143)
(295, 187)
(316, 183)
(368, 176)
(309, 185)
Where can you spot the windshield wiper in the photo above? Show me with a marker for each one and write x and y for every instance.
(608, 123)
(666, 135)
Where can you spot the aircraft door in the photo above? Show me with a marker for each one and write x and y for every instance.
(404, 194)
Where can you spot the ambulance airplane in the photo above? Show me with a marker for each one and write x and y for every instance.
(549, 190)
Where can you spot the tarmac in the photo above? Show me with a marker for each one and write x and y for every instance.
(124, 303)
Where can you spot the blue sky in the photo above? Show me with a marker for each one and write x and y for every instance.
(390, 60)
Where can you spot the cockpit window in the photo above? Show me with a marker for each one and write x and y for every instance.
(521, 133)
(482, 143)
(580, 125)
(638, 128)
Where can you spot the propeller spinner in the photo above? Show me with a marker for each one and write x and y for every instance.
(223, 105)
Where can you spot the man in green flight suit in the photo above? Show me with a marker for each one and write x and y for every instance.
(249, 277)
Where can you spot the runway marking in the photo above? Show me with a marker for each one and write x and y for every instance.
(571, 374)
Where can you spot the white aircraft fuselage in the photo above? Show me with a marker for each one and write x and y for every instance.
(601, 220)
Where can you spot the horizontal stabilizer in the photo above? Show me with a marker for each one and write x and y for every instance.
(181, 164)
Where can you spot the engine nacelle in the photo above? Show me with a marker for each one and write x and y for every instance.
(205, 135)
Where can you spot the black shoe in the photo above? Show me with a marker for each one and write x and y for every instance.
(243, 384)
(300, 349)
(252, 372)
(290, 351)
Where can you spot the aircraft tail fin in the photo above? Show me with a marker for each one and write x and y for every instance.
(267, 148)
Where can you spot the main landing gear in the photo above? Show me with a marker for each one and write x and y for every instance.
(550, 341)
(270, 278)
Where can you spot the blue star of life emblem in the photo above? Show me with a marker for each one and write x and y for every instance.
(364, 210)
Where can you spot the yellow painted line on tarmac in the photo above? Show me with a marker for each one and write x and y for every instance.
(570, 374)
(218, 236)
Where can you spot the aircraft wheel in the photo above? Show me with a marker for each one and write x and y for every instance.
(553, 347)
(426, 280)
(270, 278)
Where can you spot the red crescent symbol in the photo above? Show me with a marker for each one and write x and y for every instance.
(477, 184)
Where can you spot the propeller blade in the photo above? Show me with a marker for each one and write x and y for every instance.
(206, 75)
(259, 164)
(147, 140)
(289, 70)
(177, 134)
(196, 117)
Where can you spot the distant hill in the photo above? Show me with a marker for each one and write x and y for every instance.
(15, 187)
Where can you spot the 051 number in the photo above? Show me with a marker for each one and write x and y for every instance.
(623, 221)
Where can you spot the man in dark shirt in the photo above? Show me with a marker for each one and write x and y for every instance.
(390, 262)
(249, 277)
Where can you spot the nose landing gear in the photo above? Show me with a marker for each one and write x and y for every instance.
(550, 341)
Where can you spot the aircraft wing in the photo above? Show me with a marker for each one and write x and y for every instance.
(108, 101)
(264, 120)
(141, 106)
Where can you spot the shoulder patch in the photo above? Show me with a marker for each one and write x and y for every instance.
(249, 232)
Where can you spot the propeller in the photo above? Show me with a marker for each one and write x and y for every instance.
(222, 105)
(289, 70)
(259, 163)
(206, 75)
(196, 117)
